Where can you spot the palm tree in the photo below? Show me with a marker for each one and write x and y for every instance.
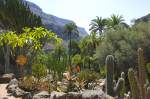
(71, 31)
(98, 25)
(88, 47)
(115, 20)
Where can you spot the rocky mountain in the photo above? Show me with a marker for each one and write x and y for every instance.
(52, 22)
(145, 18)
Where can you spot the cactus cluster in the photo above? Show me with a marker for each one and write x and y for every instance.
(140, 88)
(139, 84)
(112, 88)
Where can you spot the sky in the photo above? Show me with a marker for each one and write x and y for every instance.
(83, 11)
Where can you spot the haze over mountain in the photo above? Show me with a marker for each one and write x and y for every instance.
(52, 22)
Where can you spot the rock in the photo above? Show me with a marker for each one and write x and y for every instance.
(18, 92)
(93, 94)
(42, 95)
(13, 84)
(58, 95)
(6, 78)
(4, 97)
(12, 88)
(27, 95)
(73, 95)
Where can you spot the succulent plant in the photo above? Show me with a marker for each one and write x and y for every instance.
(119, 89)
(109, 75)
(142, 72)
(133, 84)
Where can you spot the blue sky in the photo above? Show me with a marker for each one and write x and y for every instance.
(83, 11)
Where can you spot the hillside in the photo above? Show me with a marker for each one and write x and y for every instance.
(145, 18)
(52, 22)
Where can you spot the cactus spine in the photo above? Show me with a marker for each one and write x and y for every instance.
(133, 84)
(109, 74)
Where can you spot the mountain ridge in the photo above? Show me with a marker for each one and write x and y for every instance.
(52, 22)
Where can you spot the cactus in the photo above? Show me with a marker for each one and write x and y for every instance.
(133, 84)
(148, 93)
(119, 89)
(109, 74)
(142, 72)
(123, 75)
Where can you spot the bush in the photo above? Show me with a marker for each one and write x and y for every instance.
(39, 71)
(88, 75)
(28, 84)
(31, 84)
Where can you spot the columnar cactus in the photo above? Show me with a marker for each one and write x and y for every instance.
(119, 89)
(109, 74)
(148, 93)
(142, 72)
(133, 84)
(123, 75)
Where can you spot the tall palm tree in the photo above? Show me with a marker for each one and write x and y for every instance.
(72, 32)
(115, 20)
(98, 25)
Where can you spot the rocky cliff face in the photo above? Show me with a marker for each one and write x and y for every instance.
(52, 22)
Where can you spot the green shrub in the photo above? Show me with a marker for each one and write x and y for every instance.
(103, 72)
(39, 71)
(88, 75)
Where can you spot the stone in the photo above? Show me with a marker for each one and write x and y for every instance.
(12, 85)
(73, 95)
(6, 78)
(27, 95)
(18, 92)
(93, 94)
(13, 82)
(11, 88)
(42, 95)
(58, 95)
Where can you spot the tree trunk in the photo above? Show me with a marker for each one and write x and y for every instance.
(7, 58)
(70, 53)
